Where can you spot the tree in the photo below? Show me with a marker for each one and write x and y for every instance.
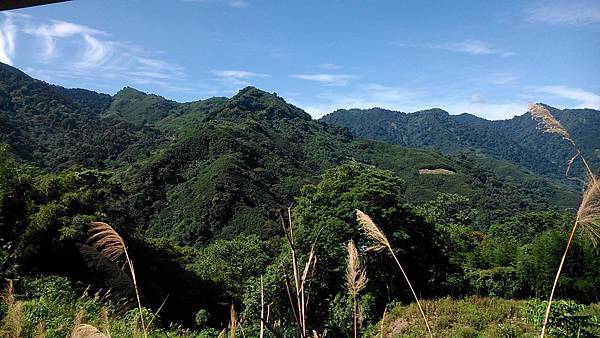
(325, 215)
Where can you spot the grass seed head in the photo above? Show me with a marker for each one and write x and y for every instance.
(356, 278)
(372, 231)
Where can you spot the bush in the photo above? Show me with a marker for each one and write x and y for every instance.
(567, 318)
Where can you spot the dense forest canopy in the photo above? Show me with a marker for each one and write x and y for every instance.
(516, 140)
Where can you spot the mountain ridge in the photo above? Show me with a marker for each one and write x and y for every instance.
(517, 140)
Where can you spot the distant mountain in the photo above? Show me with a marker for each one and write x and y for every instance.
(516, 140)
(223, 166)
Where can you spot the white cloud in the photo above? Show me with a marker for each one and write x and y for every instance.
(501, 78)
(473, 47)
(411, 100)
(232, 3)
(49, 33)
(96, 52)
(582, 98)
(236, 77)
(330, 66)
(367, 96)
(237, 74)
(570, 13)
(70, 50)
(329, 79)
(8, 33)
(476, 105)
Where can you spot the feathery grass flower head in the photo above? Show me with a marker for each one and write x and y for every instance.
(547, 122)
(356, 278)
(372, 231)
(588, 215)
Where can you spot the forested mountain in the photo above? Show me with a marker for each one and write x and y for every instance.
(54, 128)
(222, 167)
(515, 140)
(196, 191)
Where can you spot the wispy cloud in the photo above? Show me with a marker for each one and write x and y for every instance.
(232, 3)
(582, 98)
(71, 50)
(94, 52)
(576, 13)
(473, 47)
(237, 77)
(410, 100)
(8, 33)
(488, 109)
(495, 78)
(329, 79)
(365, 96)
(330, 66)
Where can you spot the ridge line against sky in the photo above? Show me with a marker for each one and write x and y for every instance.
(486, 59)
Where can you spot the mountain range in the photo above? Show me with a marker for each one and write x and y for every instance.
(221, 167)
(516, 140)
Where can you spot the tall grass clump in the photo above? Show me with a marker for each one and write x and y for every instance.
(356, 279)
(381, 243)
(588, 214)
(13, 320)
(87, 331)
(299, 302)
(110, 244)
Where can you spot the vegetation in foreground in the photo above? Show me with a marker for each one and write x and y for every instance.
(490, 318)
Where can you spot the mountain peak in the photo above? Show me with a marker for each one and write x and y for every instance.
(251, 101)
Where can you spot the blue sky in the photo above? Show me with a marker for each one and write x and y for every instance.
(488, 58)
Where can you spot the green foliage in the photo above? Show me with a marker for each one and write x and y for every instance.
(231, 263)
(325, 214)
(342, 312)
(495, 282)
(468, 317)
(448, 210)
(52, 301)
(567, 318)
(56, 128)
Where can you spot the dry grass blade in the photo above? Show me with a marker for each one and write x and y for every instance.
(233, 322)
(372, 231)
(8, 296)
(382, 322)
(106, 240)
(551, 125)
(547, 122)
(110, 244)
(262, 308)
(310, 263)
(588, 215)
(86, 331)
(40, 331)
(105, 322)
(356, 278)
(13, 319)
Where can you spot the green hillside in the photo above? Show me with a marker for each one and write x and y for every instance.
(515, 140)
